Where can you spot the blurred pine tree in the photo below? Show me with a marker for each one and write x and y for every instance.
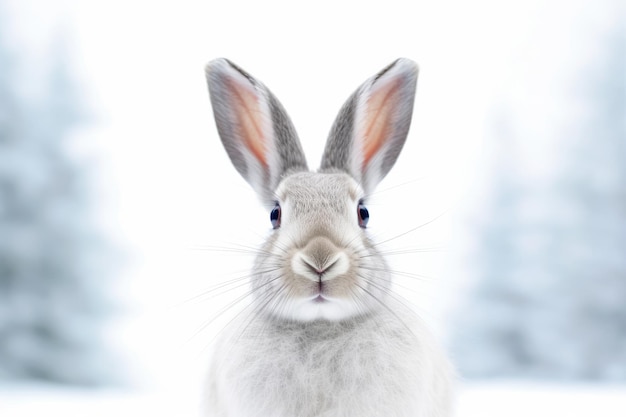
(550, 262)
(52, 269)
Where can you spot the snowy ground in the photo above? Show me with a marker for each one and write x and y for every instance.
(510, 399)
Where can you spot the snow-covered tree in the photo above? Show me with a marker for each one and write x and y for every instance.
(484, 341)
(52, 276)
(550, 296)
(592, 261)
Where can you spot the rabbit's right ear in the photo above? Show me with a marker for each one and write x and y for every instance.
(254, 128)
(372, 125)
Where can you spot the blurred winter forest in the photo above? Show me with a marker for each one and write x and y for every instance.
(544, 245)
(52, 259)
(549, 253)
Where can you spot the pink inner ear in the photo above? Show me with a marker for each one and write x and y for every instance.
(249, 117)
(379, 118)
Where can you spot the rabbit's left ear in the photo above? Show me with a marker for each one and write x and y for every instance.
(373, 124)
(254, 128)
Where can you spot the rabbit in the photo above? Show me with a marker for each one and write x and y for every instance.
(326, 337)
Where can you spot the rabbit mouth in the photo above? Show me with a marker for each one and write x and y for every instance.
(321, 307)
(320, 299)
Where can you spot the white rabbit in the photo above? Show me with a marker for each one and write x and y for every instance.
(326, 337)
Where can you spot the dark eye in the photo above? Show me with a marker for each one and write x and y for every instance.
(275, 216)
(364, 215)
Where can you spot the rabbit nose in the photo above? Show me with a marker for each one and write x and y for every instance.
(315, 268)
(320, 260)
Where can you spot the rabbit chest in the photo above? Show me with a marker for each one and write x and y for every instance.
(373, 366)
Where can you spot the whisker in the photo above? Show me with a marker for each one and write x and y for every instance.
(255, 308)
(396, 284)
(219, 314)
(228, 323)
(257, 249)
(252, 312)
(269, 296)
(229, 306)
(362, 307)
(209, 292)
(362, 302)
(396, 297)
(283, 298)
(404, 184)
(284, 301)
(399, 298)
(414, 228)
(413, 275)
(284, 249)
(407, 251)
(242, 250)
(357, 235)
(387, 308)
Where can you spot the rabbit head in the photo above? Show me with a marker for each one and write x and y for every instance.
(317, 263)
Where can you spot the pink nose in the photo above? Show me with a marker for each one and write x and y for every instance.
(315, 268)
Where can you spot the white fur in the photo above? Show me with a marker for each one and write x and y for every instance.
(362, 354)
(373, 366)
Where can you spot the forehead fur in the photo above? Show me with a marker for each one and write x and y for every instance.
(306, 190)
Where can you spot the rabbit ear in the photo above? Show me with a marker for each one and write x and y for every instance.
(373, 124)
(254, 128)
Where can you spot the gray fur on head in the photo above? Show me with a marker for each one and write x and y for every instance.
(324, 336)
